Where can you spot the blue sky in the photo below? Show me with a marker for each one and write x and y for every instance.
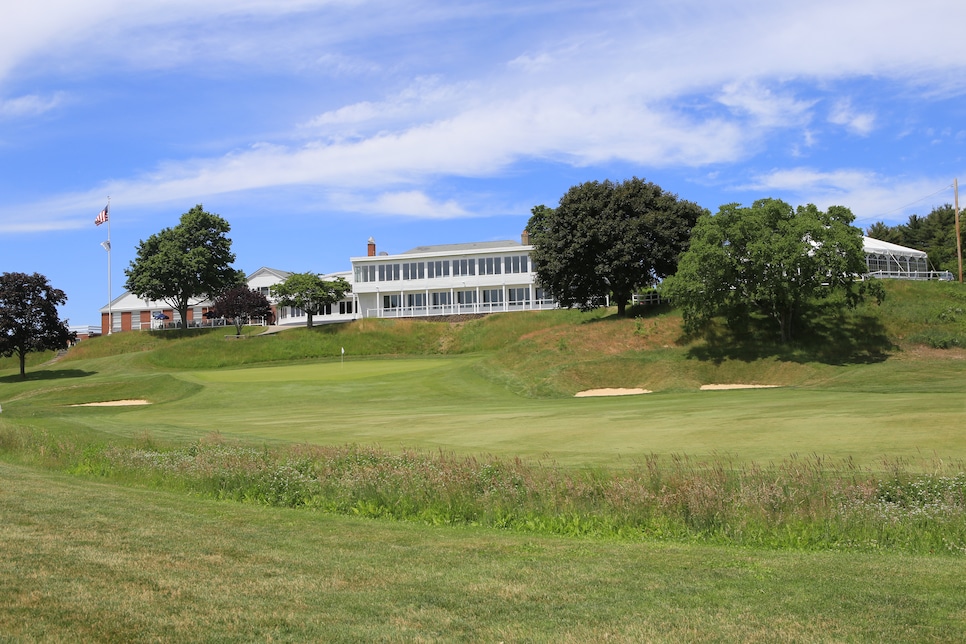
(312, 125)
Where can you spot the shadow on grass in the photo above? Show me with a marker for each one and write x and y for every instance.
(50, 374)
(632, 312)
(832, 337)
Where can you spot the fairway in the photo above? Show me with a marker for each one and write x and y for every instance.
(445, 403)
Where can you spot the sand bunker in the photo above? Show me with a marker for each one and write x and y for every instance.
(114, 403)
(716, 387)
(610, 392)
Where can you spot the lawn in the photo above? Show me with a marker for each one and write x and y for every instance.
(903, 409)
(117, 554)
(83, 560)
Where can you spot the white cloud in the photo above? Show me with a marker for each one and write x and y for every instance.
(842, 113)
(642, 85)
(769, 109)
(870, 196)
(408, 203)
(30, 105)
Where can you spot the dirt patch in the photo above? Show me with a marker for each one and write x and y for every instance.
(114, 403)
(610, 392)
(718, 387)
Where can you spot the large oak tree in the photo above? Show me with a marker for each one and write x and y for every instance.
(28, 316)
(769, 260)
(608, 239)
(187, 262)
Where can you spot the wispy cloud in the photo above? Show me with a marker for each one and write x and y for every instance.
(861, 123)
(674, 85)
(870, 195)
(30, 105)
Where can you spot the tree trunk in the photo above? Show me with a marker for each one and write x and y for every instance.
(183, 313)
(23, 363)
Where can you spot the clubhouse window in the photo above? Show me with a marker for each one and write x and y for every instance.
(414, 270)
(493, 296)
(438, 268)
(489, 265)
(464, 267)
(441, 299)
(516, 264)
(366, 273)
(466, 297)
(518, 295)
(415, 300)
(390, 301)
(389, 272)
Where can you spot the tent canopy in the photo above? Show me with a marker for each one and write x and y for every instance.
(878, 247)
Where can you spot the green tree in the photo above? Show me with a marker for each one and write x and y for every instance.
(310, 292)
(935, 233)
(769, 260)
(190, 261)
(239, 304)
(609, 239)
(28, 317)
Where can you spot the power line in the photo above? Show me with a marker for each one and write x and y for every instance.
(886, 214)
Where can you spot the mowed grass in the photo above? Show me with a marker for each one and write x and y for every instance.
(86, 561)
(910, 409)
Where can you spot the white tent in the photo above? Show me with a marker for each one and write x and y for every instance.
(884, 259)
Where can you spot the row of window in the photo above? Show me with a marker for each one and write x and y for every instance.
(896, 264)
(443, 268)
(345, 307)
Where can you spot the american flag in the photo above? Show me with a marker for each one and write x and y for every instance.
(102, 216)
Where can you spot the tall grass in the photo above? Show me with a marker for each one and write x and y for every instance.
(805, 503)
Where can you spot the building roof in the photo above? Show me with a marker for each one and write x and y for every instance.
(470, 246)
(273, 271)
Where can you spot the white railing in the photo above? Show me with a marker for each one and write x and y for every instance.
(944, 276)
(459, 309)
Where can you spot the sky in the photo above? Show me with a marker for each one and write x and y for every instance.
(312, 125)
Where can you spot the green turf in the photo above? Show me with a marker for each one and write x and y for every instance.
(903, 409)
(93, 561)
(85, 561)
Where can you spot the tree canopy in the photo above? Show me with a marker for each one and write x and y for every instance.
(28, 316)
(608, 239)
(240, 303)
(771, 261)
(310, 292)
(189, 261)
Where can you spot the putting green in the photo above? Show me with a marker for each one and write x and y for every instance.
(445, 403)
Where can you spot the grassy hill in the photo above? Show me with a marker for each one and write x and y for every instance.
(558, 353)
(238, 503)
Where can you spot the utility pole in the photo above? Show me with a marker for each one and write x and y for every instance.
(959, 239)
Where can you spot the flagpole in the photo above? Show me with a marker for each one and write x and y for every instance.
(110, 292)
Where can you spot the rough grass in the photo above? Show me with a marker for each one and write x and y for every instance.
(806, 503)
(84, 561)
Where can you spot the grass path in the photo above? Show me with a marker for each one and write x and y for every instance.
(78, 564)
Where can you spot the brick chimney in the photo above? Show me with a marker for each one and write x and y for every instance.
(372, 247)
(525, 238)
